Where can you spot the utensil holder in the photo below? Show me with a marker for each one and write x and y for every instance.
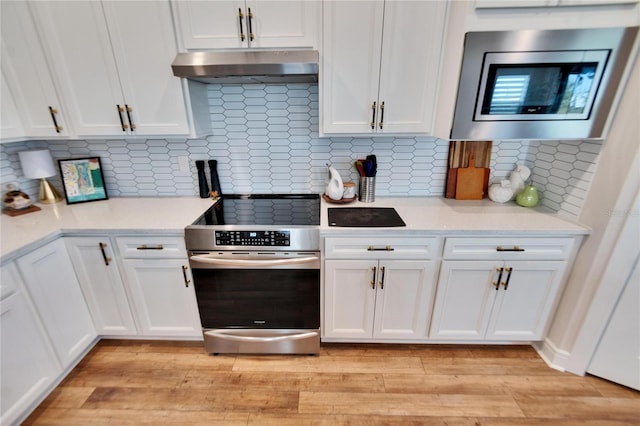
(367, 192)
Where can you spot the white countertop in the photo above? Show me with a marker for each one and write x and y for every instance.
(433, 215)
(423, 215)
(165, 214)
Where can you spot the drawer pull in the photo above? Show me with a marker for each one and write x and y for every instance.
(146, 247)
(373, 278)
(496, 283)
(184, 272)
(514, 248)
(506, 283)
(387, 248)
(104, 254)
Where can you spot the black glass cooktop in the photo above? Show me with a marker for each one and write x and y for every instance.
(264, 209)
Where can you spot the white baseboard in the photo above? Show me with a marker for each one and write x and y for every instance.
(554, 357)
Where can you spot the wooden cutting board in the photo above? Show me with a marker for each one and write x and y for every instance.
(470, 181)
(459, 153)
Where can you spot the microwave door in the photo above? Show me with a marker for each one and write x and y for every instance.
(529, 86)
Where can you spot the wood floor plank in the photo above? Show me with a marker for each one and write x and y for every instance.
(131, 378)
(593, 408)
(158, 361)
(488, 366)
(408, 404)
(184, 399)
(336, 382)
(333, 364)
(356, 420)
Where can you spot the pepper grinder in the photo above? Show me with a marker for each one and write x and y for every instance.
(202, 179)
(215, 180)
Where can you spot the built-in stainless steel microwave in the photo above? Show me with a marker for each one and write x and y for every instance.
(551, 84)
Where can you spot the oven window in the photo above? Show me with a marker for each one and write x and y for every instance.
(539, 89)
(258, 298)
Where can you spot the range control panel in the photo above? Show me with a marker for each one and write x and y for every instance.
(253, 238)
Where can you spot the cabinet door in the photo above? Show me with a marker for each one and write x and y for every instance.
(165, 305)
(144, 47)
(10, 125)
(352, 40)
(350, 297)
(409, 66)
(211, 24)
(464, 298)
(54, 288)
(77, 40)
(101, 284)
(404, 299)
(28, 75)
(284, 23)
(522, 310)
(29, 365)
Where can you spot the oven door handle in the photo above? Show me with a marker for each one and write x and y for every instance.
(252, 262)
(227, 335)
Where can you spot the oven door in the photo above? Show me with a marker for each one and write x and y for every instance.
(258, 302)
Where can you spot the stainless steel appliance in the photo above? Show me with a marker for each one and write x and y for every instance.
(255, 261)
(542, 84)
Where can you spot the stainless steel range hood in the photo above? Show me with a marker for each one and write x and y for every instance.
(273, 66)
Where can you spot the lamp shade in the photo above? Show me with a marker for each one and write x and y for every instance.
(37, 164)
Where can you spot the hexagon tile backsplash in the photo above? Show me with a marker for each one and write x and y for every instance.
(265, 138)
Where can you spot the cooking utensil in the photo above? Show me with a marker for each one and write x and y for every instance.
(470, 181)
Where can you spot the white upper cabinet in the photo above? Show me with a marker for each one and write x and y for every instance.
(380, 63)
(28, 77)
(113, 65)
(247, 24)
(10, 124)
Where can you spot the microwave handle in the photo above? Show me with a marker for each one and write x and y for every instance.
(252, 262)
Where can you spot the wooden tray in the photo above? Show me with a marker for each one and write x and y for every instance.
(12, 212)
(341, 201)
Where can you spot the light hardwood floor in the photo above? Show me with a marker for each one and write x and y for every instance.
(141, 382)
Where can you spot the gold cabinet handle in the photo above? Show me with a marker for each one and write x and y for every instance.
(184, 273)
(506, 283)
(381, 278)
(496, 283)
(240, 18)
(373, 116)
(381, 115)
(53, 113)
(249, 26)
(146, 247)
(106, 258)
(514, 248)
(128, 109)
(386, 248)
(122, 123)
(373, 278)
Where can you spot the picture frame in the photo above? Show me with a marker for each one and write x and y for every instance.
(82, 180)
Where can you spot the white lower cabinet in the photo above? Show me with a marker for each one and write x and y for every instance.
(494, 300)
(52, 283)
(29, 364)
(95, 263)
(388, 299)
(163, 297)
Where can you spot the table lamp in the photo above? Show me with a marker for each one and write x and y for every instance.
(38, 164)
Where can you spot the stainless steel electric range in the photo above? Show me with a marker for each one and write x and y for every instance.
(255, 261)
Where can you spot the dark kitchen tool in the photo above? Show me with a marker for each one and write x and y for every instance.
(364, 217)
(202, 179)
(215, 180)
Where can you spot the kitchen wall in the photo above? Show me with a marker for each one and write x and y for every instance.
(265, 138)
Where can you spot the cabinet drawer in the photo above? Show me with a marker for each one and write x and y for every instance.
(151, 247)
(508, 248)
(382, 248)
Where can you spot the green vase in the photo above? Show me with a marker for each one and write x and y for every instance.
(528, 197)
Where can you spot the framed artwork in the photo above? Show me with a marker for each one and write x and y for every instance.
(82, 180)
